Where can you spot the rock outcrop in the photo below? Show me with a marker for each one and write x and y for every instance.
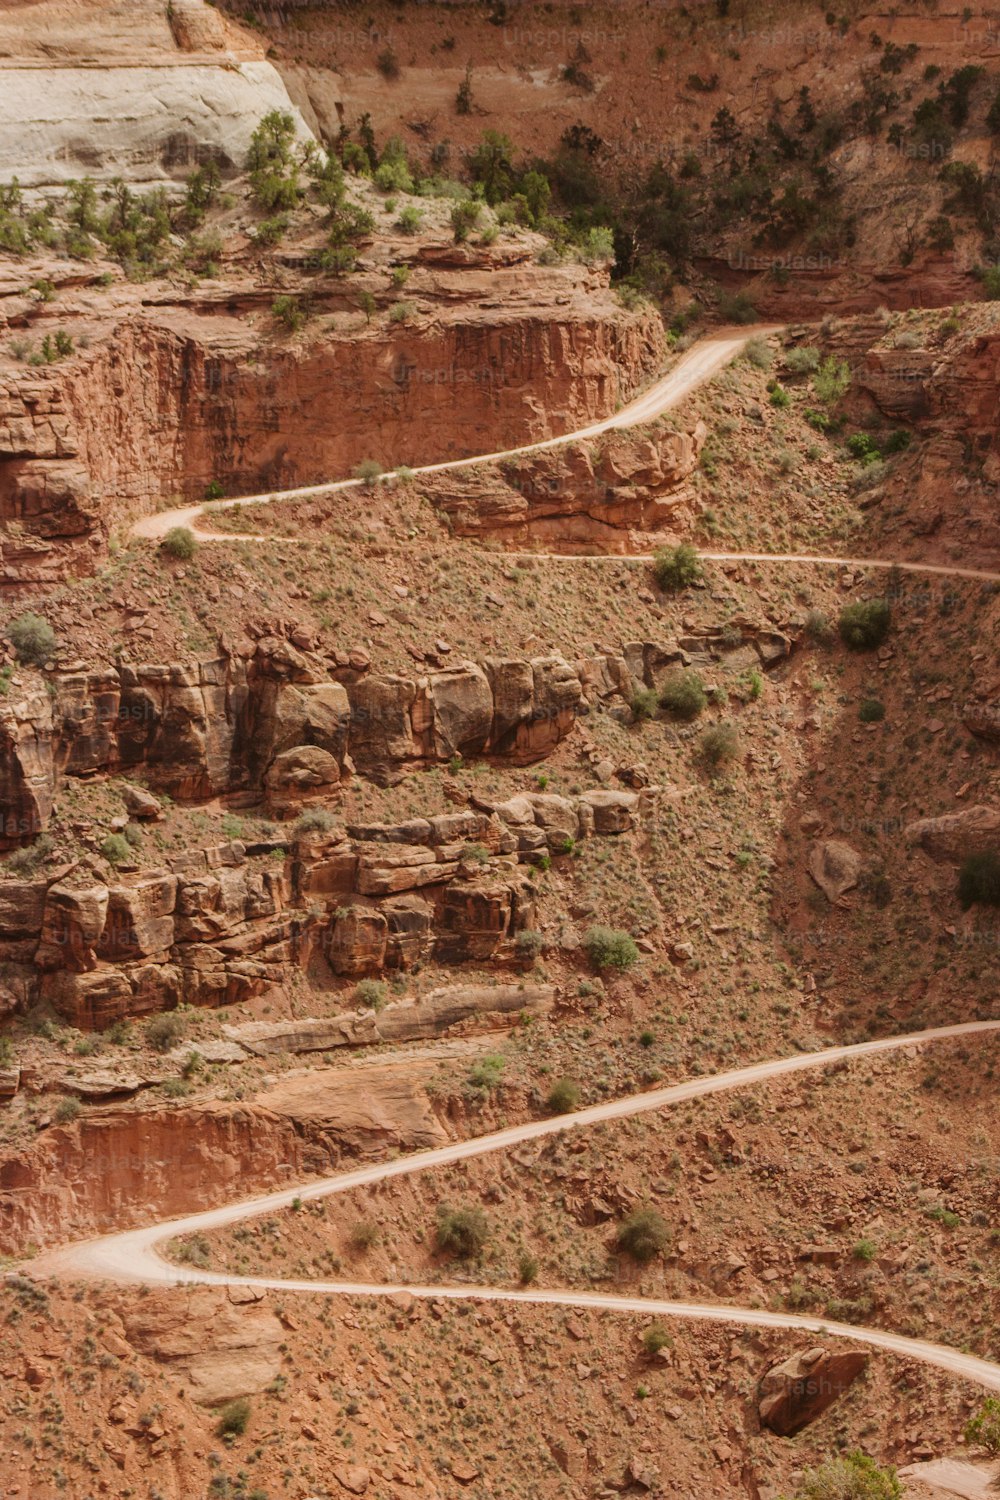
(287, 725)
(798, 1390)
(178, 85)
(224, 923)
(171, 400)
(954, 836)
(586, 496)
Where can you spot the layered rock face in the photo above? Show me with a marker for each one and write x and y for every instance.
(144, 91)
(584, 496)
(220, 925)
(172, 403)
(275, 721)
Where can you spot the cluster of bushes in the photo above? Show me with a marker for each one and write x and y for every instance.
(865, 625)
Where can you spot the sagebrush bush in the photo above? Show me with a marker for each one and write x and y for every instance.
(979, 880)
(116, 849)
(853, 1477)
(164, 1031)
(801, 361)
(676, 568)
(67, 1110)
(462, 1231)
(984, 1427)
(371, 993)
(528, 945)
(656, 1338)
(368, 470)
(758, 353)
(313, 820)
(610, 948)
(644, 1235)
(683, 694)
(865, 624)
(234, 1418)
(871, 711)
(644, 703)
(564, 1096)
(33, 639)
(720, 744)
(179, 543)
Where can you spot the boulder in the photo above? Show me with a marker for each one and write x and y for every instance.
(613, 812)
(983, 720)
(72, 924)
(835, 867)
(953, 837)
(357, 941)
(462, 710)
(298, 777)
(799, 1389)
(139, 921)
(142, 805)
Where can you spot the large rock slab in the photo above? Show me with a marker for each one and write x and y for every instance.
(365, 1110)
(953, 837)
(835, 867)
(218, 1349)
(798, 1390)
(424, 1017)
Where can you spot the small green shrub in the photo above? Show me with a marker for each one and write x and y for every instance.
(33, 639)
(758, 353)
(656, 1338)
(644, 1235)
(644, 703)
(464, 218)
(853, 1477)
(528, 945)
(116, 849)
(676, 568)
(462, 1231)
(487, 1073)
(369, 470)
(831, 380)
(234, 1418)
(289, 311)
(871, 711)
(164, 1031)
(401, 312)
(610, 948)
(979, 880)
(371, 993)
(196, 1250)
(720, 744)
(409, 220)
(779, 397)
(683, 694)
(801, 361)
(313, 820)
(564, 1097)
(865, 1250)
(818, 627)
(865, 624)
(179, 543)
(365, 1235)
(28, 860)
(527, 1268)
(984, 1428)
(67, 1110)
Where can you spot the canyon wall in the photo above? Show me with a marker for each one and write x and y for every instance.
(168, 405)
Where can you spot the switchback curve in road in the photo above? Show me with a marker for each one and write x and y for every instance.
(133, 1256)
(698, 364)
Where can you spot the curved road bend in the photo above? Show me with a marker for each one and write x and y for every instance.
(703, 360)
(134, 1256)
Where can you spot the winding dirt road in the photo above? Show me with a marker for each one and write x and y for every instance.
(134, 1255)
(703, 360)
